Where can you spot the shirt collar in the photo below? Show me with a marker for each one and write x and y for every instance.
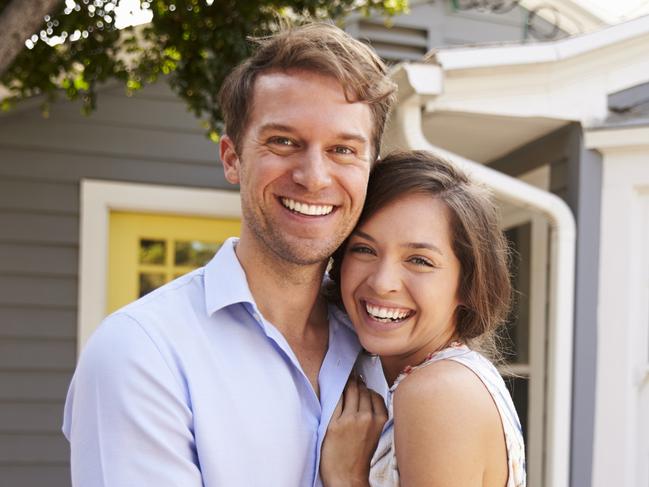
(225, 279)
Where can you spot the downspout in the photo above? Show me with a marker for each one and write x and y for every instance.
(417, 84)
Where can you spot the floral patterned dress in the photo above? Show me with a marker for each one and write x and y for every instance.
(384, 471)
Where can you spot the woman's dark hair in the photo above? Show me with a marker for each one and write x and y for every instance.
(477, 240)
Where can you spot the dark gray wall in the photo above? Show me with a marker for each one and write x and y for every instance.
(435, 23)
(576, 177)
(147, 138)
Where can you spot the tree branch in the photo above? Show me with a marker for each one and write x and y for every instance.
(19, 20)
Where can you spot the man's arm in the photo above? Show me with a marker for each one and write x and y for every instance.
(127, 416)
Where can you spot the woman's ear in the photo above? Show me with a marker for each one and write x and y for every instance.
(230, 160)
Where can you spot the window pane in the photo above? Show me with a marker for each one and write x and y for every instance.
(150, 281)
(518, 388)
(152, 251)
(194, 253)
(514, 337)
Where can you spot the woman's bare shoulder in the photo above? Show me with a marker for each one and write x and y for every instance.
(446, 426)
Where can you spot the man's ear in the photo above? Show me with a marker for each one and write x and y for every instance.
(230, 159)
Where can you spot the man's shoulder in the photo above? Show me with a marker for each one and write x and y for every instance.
(175, 296)
(161, 319)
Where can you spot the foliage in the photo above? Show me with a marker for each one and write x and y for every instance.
(193, 43)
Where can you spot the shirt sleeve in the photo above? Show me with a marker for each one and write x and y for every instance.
(127, 415)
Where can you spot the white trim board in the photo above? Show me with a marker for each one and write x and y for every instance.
(508, 54)
(512, 217)
(98, 199)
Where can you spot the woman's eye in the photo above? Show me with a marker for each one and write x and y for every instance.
(361, 249)
(421, 261)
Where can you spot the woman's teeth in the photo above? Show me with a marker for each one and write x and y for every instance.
(306, 209)
(386, 315)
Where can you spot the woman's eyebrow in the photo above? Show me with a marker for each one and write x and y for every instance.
(423, 245)
(410, 245)
(364, 235)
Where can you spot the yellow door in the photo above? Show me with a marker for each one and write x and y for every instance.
(148, 250)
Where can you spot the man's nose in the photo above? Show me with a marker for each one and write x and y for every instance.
(385, 278)
(312, 171)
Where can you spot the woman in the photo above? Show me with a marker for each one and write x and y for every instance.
(424, 280)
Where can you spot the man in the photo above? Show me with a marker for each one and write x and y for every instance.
(229, 375)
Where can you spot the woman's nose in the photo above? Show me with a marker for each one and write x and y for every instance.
(385, 278)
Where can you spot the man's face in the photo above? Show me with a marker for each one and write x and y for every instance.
(303, 166)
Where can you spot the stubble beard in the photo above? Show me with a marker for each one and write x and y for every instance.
(291, 250)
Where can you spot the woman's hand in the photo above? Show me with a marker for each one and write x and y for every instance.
(352, 436)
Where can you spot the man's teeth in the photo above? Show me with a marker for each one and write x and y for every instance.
(306, 209)
(386, 314)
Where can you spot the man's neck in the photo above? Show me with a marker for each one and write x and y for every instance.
(287, 294)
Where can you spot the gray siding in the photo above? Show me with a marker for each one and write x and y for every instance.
(148, 138)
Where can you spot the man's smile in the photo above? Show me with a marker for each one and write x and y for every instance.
(304, 208)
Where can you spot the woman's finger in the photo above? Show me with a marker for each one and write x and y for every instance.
(364, 399)
(351, 397)
(339, 409)
(378, 405)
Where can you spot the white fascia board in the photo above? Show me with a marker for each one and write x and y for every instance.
(422, 79)
(426, 79)
(617, 138)
(522, 54)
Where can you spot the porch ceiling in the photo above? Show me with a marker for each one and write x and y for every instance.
(484, 137)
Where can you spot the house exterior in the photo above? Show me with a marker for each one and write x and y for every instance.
(543, 123)
(569, 117)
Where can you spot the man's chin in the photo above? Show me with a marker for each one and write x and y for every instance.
(305, 252)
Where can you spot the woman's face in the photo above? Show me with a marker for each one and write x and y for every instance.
(399, 281)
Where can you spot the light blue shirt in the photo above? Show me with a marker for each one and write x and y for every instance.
(191, 386)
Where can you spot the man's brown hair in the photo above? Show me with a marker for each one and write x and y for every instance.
(318, 47)
(478, 242)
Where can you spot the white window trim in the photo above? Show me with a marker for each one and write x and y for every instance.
(98, 199)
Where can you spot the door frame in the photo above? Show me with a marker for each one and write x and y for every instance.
(98, 199)
(538, 301)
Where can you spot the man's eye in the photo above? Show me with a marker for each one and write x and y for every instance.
(343, 150)
(285, 141)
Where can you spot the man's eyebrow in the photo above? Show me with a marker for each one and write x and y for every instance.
(287, 128)
(277, 126)
(410, 245)
(350, 136)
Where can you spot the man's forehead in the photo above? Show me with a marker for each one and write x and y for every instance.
(285, 97)
(276, 79)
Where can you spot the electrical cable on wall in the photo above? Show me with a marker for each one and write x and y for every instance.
(542, 27)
